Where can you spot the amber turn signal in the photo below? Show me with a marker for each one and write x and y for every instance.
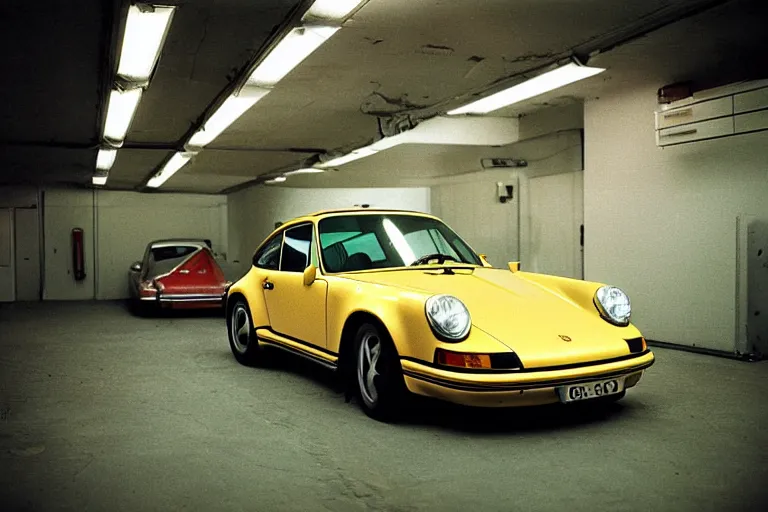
(446, 358)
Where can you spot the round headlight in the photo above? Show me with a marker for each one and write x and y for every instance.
(448, 317)
(614, 305)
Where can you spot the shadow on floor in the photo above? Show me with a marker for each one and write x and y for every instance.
(142, 310)
(421, 411)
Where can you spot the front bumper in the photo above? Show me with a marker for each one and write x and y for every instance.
(187, 300)
(508, 389)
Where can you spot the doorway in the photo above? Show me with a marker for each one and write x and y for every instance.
(556, 214)
(27, 254)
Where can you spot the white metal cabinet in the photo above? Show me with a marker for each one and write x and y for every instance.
(695, 131)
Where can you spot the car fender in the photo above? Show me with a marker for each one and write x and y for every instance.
(250, 286)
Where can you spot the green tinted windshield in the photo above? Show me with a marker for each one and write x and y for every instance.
(362, 242)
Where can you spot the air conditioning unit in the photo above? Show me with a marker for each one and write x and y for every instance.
(502, 163)
(731, 110)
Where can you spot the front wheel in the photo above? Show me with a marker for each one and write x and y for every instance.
(380, 387)
(242, 336)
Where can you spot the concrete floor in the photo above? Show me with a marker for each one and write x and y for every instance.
(105, 411)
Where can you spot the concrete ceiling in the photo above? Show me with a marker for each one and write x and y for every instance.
(393, 57)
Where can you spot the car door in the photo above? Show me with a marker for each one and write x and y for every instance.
(296, 310)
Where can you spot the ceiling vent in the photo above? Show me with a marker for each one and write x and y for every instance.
(502, 163)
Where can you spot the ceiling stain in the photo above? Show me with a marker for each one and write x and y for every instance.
(527, 57)
(436, 49)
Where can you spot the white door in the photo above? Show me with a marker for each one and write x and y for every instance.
(556, 216)
(7, 281)
(27, 254)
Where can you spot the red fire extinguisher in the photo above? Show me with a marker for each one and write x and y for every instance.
(78, 254)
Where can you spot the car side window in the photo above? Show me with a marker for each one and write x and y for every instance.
(269, 255)
(296, 247)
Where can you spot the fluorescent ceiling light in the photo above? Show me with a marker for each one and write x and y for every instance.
(350, 157)
(306, 170)
(335, 10)
(173, 165)
(278, 179)
(105, 159)
(296, 46)
(229, 111)
(99, 180)
(145, 31)
(120, 110)
(546, 82)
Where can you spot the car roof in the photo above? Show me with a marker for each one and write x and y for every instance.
(362, 210)
(171, 242)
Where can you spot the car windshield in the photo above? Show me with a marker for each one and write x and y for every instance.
(362, 242)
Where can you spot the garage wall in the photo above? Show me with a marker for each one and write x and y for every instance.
(469, 202)
(63, 210)
(661, 223)
(254, 211)
(128, 221)
(123, 224)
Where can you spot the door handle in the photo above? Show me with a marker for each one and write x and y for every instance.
(268, 286)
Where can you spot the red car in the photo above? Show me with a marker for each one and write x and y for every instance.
(178, 274)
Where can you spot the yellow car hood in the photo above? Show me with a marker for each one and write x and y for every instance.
(541, 326)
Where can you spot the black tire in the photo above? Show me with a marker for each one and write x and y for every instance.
(241, 334)
(381, 394)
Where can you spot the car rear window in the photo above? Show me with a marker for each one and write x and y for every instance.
(172, 252)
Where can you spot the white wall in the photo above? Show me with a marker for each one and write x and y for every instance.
(556, 213)
(254, 211)
(469, 203)
(661, 223)
(123, 224)
(63, 210)
(470, 206)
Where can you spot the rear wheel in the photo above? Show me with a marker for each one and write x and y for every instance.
(242, 336)
(378, 374)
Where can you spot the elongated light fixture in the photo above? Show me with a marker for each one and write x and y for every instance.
(105, 159)
(120, 110)
(229, 111)
(278, 179)
(145, 31)
(99, 180)
(335, 10)
(296, 46)
(546, 82)
(176, 162)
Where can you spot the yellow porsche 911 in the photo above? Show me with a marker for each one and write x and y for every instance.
(398, 303)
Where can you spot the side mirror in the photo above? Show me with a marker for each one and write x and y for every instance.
(136, 267)
(310, 274)
(514, 266)
(484, 260)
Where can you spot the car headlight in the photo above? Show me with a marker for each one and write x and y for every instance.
(613, 305)
(448, 317)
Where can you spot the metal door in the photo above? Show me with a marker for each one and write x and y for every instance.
(27, 254)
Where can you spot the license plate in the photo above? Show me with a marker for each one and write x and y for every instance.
(587, 390)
